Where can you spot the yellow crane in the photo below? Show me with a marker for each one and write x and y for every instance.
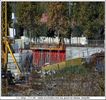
(5, 42)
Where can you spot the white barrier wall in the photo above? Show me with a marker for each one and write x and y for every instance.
(74, 40)
(20, 58)
(77, 52)
(11, 65)
(79, 40)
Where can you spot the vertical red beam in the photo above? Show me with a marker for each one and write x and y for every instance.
(44, 51)
(36, 57)
(52, 56)
(56, 55)
(39, 57)
(45, 55)
(60, 56)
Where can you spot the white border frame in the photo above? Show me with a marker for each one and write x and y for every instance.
(53, 97)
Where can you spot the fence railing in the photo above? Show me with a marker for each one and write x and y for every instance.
(91, 43)
(96, 42)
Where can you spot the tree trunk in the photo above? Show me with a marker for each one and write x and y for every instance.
(36, 40)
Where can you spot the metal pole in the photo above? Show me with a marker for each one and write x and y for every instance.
(6, 50)
(14, 19)
(69, 8)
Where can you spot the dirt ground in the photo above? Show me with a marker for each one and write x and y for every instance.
(91, 84)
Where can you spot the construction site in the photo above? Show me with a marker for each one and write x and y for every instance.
(50, 66)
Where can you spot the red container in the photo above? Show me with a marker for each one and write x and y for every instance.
(42, 57)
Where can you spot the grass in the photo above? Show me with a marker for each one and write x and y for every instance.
(73, 66)
(77, 61)
(62, 65)
(57, 66)
(75, 69)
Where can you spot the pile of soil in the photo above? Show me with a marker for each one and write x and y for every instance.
(98, 61)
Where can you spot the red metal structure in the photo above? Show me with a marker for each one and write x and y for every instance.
(41, 57)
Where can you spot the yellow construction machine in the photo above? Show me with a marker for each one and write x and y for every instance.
(5, 48)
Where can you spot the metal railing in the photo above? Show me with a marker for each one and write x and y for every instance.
(96, 42)
(91, 43)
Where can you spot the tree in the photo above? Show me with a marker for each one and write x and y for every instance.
(90, 16)
(28, 16)
(81, 17)
(58, 18)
